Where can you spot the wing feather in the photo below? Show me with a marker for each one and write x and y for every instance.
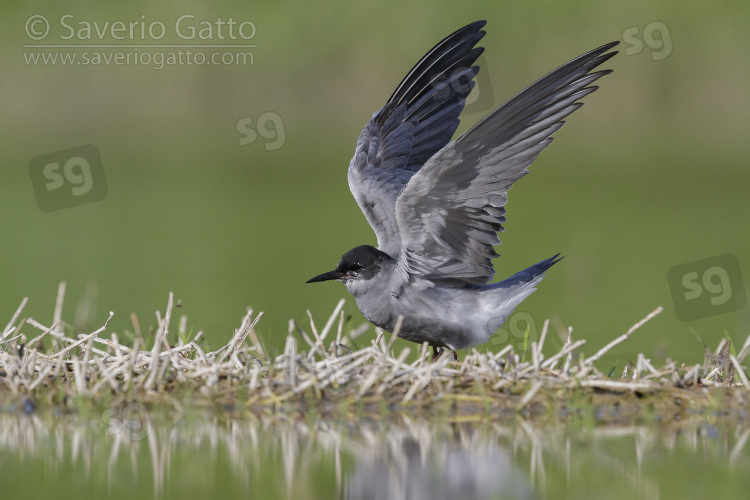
(450, 211)
(418, 120)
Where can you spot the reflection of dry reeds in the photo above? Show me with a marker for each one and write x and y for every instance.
(401, 458)
(329, 376)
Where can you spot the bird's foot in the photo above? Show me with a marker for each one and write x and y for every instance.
(438, 351)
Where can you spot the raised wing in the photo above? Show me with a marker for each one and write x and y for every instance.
(417, 121)
(449, 213)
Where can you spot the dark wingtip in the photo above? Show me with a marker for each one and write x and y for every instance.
(554, 259)
(475, 26)
(603, 54)
(546, 264)
(457, 46)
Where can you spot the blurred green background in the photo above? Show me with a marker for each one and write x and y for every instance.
(652, 173)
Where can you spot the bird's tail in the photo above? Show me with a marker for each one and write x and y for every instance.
(507, 294)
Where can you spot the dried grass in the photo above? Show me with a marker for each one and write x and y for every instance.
(328, 377)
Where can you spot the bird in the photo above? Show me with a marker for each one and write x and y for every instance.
(436, 206)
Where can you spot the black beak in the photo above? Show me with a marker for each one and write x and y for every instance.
(330, 275)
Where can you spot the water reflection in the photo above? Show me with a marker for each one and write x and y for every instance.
(129, 452)
(409, 463)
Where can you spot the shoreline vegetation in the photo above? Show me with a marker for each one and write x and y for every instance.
(320, 374)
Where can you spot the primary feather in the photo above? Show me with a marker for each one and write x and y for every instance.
(419, 119)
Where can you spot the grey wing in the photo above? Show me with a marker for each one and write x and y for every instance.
(418, 120)
(450, 212)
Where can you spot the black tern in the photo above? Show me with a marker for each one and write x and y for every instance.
(436, 206)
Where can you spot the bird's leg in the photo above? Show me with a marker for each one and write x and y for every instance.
(436, 353)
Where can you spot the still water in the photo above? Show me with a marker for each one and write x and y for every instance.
(127, 453)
